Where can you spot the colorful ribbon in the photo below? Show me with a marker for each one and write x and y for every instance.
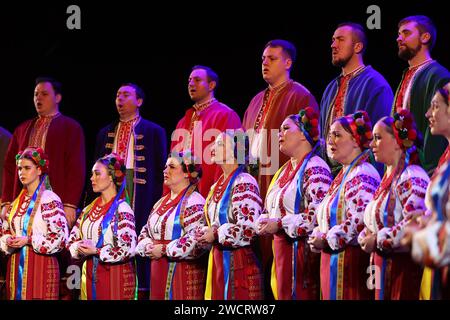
(297, 208)
(26, 228)
(176, 234)
(334, 221)
(386, 223)
(106, 222)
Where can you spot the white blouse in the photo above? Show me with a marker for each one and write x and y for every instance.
(316, 181)
(160, 227)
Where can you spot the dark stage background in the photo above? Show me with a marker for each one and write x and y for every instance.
(134, 41)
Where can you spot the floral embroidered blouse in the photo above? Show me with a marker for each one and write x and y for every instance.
(359, 188)
(118, 245)
(243, 211)
(280, 200)
(49, 228)
(161, 227)
(408, 202)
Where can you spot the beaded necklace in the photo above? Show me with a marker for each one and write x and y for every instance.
(284, 181)
(166, 205)
(99, 210)
(383, 190)
(288, 174)
(24, 206)
(221, 186)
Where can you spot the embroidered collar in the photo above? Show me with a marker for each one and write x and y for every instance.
(130, 121)
(280, 86)
(354, 72)
(50, 117)
(202, 106)
(421, 64)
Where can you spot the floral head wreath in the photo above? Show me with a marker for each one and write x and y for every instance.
(36, 155)
(190, 164)
(361, 127)
(404, 127)
(116, 167)
(308, 122)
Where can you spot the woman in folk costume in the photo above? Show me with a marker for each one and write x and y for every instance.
(430, 246)
(398, 200)
(340, 215)
(293, 196)
(34, 230)
(232, 209)
(105, 237)
(168, 239)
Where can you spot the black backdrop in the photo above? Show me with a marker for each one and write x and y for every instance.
(155, 46)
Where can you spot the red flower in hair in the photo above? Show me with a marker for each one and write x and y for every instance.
(314, 133)
(404, 129)
(309, 112)
(118, 173)
(412, 134)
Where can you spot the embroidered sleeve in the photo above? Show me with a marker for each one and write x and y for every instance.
(316, 182)
(430, 246)
(145, 238)
(5, 234)
(51, 240)
(75, 238)
(369, 220)
(186, 247)
(124, 240)
(245, 208)
(411, 194)
(359, 192)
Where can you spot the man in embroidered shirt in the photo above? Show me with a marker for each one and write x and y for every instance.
(358, 87)
(270, 107)
(201, 124)
(61, 138)
(416, 38)
(143, 146)
(262, 121)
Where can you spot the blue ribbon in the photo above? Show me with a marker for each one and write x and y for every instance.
(105, 225)
(298, 199)
(436, 285)
(305, 132)
(24, 249)
(176, 233)
(333, 222)
(385, 222)
(223, 218)
(438, 191)
(383, 272)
